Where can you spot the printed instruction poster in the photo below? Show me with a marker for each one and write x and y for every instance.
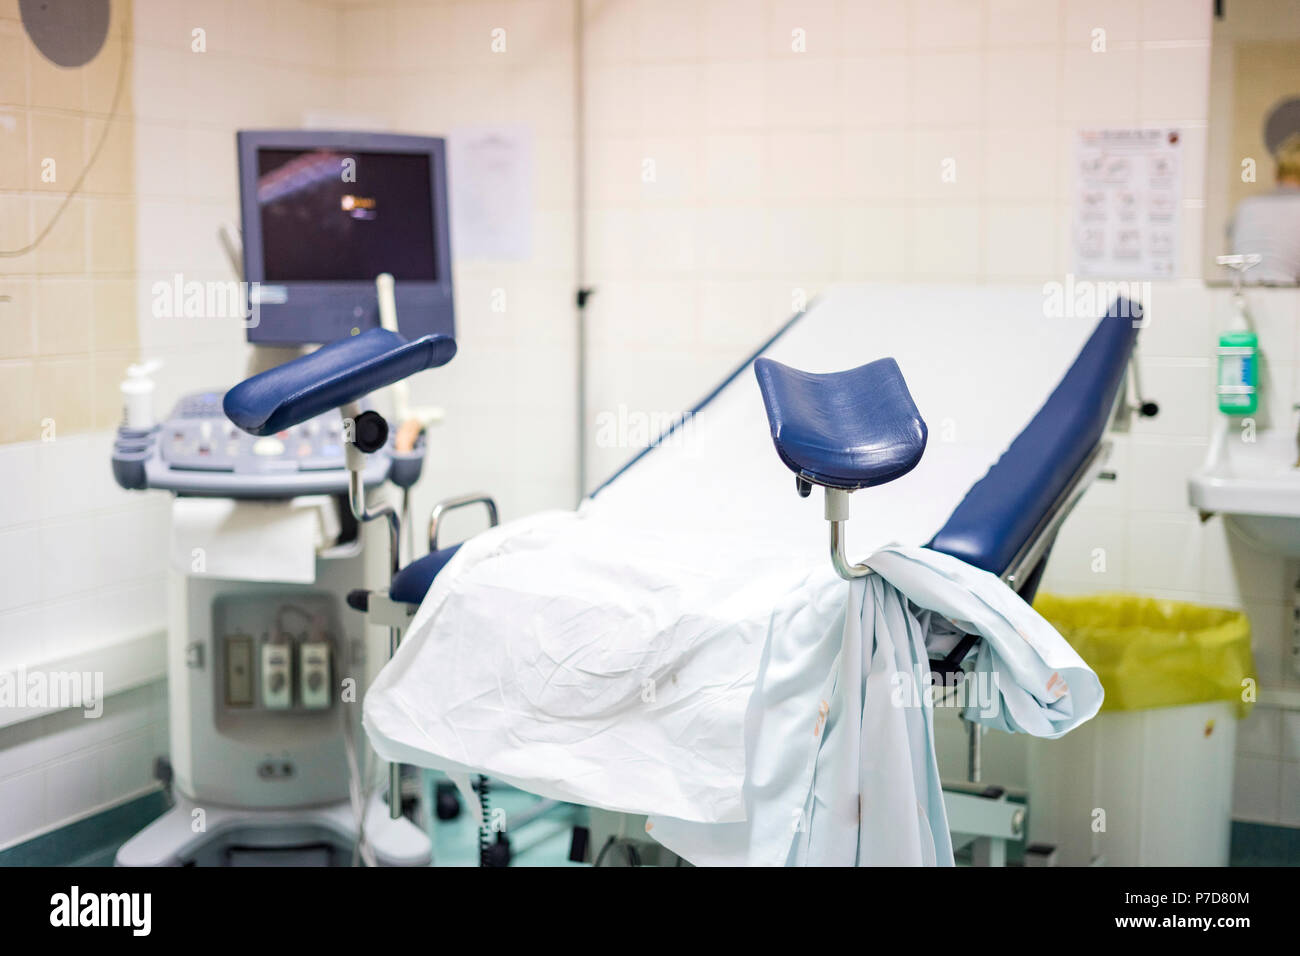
(491, 178)
(1127, 198)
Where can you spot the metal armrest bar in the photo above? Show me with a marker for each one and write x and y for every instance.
(452, 504)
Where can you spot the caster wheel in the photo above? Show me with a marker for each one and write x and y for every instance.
(446, 801)
(498, 854)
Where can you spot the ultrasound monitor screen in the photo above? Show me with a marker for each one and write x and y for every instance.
(338, 215)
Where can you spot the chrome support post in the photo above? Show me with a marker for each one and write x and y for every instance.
(837, 513)
(356, 462)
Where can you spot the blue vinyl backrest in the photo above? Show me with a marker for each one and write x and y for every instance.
(999, 513)
(330, 377)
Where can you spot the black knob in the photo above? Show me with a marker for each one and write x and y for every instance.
(359, 600)
(369, 431)
(1149, 410)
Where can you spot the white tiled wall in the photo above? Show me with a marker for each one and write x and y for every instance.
(61, 767)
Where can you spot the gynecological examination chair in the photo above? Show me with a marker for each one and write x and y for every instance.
(527, 656)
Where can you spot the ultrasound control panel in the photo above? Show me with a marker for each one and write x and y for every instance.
(198, 436)
(197, 451)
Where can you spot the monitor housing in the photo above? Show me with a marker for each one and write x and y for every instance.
(324, 213)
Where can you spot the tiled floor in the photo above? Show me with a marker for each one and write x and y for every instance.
(544, 841)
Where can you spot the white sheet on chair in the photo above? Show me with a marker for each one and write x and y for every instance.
(607, 656)
(839, 732)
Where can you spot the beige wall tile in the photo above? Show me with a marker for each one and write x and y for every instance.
(166, 23)
(113, 307)
(57, 151)
(107, 401)
(1119, 18)
(53, 87)
(729, 30)
(17, 319)
(210, 163)
(114, 172)
(879, 25)
(13, 149)
(874, 164)
(18, 395)
(63, 250)
(816, 20)
(112, 236)
(947, 24)
(13, 64)
(873, 90)
(873, 242)
(64, 320)
(15, 232)
(944, 242)
(1024, 22)
(101, 78)
(944, 88)
(65, 391)
(946, 165)
(1020, 241)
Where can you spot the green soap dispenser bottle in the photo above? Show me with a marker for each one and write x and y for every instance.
(1238, 383)
(1238, 373)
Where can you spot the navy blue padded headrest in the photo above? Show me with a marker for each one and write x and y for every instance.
(850, 429)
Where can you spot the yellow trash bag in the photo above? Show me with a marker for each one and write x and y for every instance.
(1153, 653)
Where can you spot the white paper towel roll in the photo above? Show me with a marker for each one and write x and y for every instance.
(251, 540)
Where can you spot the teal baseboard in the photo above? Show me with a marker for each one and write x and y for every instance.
(89, 842)
(1261, 844)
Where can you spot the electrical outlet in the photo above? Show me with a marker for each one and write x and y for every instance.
(314, 674)
(277, 676)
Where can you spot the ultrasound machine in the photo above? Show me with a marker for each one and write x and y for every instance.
(345, 236)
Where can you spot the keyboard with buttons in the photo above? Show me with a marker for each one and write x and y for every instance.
(198, 436)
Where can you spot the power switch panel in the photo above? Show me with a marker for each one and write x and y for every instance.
(239, 671)
(314, 674)
(277, 674)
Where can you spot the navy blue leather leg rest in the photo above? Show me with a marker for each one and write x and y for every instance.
(849, 430)
(330, 377)
(412, 583)
(1001, 510)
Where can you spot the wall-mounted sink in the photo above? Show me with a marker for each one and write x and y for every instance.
(1254, 485)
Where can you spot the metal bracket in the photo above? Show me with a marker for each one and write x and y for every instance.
(385, 612)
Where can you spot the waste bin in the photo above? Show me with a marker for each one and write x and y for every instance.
(1149, 780)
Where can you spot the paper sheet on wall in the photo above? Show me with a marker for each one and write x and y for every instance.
(1127, 198)
(491, 176)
